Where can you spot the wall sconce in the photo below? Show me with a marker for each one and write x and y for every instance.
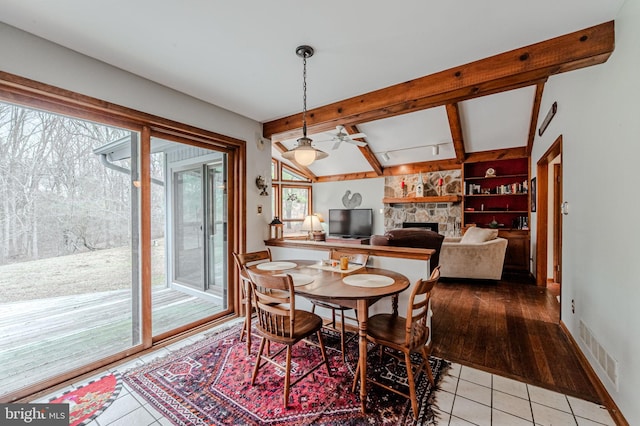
(262, 185)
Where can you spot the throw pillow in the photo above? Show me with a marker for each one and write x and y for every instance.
(477, 235)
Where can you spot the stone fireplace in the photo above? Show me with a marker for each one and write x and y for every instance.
(448, 215)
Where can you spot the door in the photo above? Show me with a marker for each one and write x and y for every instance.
(188, 236)
(199, 227)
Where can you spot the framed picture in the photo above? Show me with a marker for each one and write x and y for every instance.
(533, 194)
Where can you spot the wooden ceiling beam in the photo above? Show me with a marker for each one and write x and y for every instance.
(453, 114)
(366, 151)
(535, 113)
(497, 154)
(506, 71)
(347, 176)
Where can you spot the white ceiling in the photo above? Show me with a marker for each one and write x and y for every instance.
(240, 55)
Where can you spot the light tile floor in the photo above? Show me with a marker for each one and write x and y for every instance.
(467, 397)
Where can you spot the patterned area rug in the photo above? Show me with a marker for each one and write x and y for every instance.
(208, 383)
(89, 401)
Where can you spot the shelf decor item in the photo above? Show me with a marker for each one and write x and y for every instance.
(420, 186)
(491, 172)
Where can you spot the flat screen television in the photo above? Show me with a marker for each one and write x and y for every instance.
(351, 223)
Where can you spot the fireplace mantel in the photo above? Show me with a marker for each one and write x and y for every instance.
(436, 199)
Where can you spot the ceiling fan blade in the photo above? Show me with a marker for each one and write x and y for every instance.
(358, 136)
(337, 144)
(359, 143)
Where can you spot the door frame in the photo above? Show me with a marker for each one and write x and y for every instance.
(542, 224)
(557, 223)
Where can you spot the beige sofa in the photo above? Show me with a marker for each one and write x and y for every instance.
(479, 254)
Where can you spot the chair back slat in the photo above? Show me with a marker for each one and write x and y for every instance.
(417, 327)
(248, 259)
(359, 258)
(274, 300)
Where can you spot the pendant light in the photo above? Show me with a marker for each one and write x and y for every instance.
(304, 154)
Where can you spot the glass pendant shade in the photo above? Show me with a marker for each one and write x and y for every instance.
(304, 154)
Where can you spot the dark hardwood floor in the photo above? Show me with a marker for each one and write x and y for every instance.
(510, 328)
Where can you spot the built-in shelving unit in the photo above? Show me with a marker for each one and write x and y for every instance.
(503, 197)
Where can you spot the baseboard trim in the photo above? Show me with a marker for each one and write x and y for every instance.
(595, 380)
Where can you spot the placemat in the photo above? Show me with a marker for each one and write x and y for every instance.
(368, 280)
(298, 279)
(276, 266)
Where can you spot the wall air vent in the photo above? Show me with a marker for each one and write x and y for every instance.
(607, 362)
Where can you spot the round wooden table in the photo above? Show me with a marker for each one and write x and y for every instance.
(328, 286)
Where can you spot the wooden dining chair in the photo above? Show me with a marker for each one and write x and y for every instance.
(357, 258)
(406, 335)
(242, 260)
(280, 322)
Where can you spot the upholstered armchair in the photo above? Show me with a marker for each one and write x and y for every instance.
(479, 254)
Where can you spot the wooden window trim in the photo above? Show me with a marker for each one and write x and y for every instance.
(291, 170)
(32, 94)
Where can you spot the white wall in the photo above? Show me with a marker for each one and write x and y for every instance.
(32, 57)
(599, 119)
(328, 195)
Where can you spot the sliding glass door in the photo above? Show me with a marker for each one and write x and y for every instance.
(69, 244)
(194, 233)
(101, 218)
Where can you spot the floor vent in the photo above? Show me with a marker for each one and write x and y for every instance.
(606, 361)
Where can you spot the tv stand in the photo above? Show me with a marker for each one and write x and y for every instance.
(347, 239)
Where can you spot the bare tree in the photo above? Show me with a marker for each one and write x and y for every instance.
(56, 196)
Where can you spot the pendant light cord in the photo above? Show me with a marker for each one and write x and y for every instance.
(304, 95)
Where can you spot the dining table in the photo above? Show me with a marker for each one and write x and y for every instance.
(357, 287)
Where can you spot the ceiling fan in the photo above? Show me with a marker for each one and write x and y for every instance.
(343, 136)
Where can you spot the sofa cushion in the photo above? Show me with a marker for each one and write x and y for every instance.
(475, 235)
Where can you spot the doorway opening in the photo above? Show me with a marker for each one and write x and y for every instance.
(549, 223)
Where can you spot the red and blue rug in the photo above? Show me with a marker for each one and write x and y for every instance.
(209, 383)
(89, 401)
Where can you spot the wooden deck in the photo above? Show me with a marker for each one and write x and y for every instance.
(42, 338)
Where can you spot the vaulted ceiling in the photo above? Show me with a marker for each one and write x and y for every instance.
(466, 75)
(447, 109)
